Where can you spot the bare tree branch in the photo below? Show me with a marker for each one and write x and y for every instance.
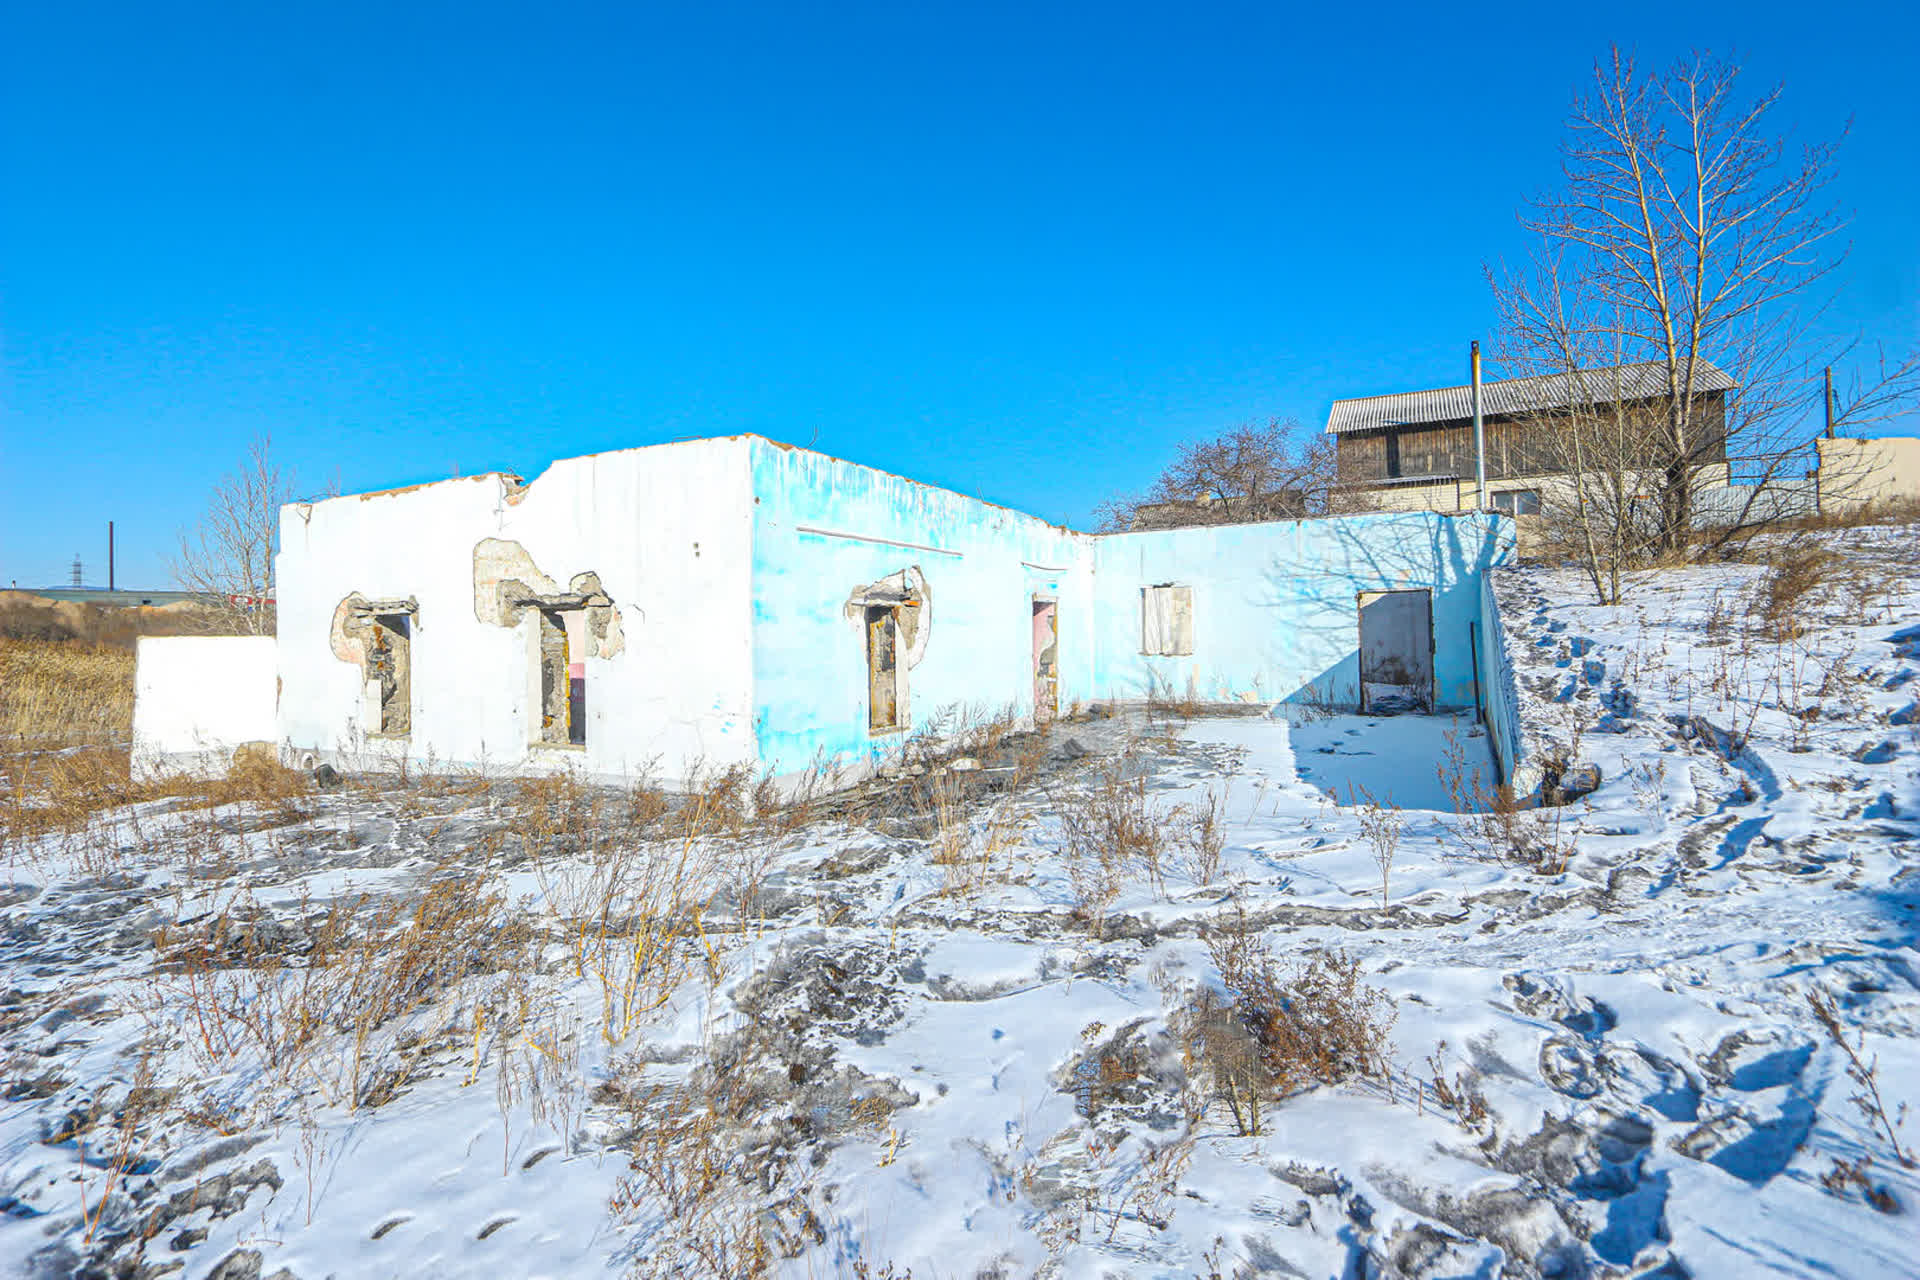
(1281, 471)
(228, 558)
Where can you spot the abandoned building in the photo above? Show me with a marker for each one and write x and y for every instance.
(1414, 451)
(736, 601)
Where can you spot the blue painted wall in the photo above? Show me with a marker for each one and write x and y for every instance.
(822, 528)
(1275, 605)
(1499, 699)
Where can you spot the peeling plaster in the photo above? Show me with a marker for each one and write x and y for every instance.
(506, 583)
(352, 627)
(908, 592)
(386, 670)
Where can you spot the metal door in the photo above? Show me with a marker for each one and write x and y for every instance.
(1396, 651)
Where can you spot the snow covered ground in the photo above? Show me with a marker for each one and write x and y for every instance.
(929, 1034)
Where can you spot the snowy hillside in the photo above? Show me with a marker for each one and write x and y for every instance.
(1135, 999)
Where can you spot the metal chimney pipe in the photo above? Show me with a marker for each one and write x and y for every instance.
(1827, 401)
(109, 555)
(1479, 435)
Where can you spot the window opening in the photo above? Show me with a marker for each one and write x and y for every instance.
(1517, 502)
(1166, 620)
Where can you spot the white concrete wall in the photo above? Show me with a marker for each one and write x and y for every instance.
(668, 529)
(196, 698)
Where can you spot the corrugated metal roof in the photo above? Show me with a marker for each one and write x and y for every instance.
(1514, 395)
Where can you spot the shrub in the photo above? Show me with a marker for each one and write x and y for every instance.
(1277, 1031)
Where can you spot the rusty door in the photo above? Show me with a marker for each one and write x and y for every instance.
(1396, 651)
(883, 634)
(1046, 660)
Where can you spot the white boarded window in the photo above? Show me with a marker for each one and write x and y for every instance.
(1166, 620)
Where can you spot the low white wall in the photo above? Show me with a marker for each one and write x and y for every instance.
(196, 698)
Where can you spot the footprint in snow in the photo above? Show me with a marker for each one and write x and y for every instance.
(1568, 1065)
(1754, 1060)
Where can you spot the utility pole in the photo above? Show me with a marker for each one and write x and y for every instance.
(1479, 436)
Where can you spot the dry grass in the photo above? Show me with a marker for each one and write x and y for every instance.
(1111, 836)
(322, 999)
(66, 726)
(1166, 705)
(1108, 835)
(1797, 572)
(1278, 1031)
(1861, 516)
(25, 616)
(688, 1184)
(66, 718)
(55, 696)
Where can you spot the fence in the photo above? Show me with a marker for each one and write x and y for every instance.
(1718, 506)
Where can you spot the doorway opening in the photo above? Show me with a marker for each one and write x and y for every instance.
(883, 668)
(895, 618)
(1046, 660)
(563, 680)
(1396, 651)
(389, 669)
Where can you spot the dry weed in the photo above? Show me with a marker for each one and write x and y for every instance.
(1108, 834)
(1276, 1031)
(1381, 824)
(332, 998)
(1779, 601)
(1196, 838)
(1495, 825)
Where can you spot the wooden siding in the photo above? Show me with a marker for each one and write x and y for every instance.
(1515, 447)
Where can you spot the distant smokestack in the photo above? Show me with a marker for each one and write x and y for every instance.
(1826, 401)
(109, 555)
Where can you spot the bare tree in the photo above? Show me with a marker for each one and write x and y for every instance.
(1281, 471)
(228, 559)
(1611, 451)
(1688, 235)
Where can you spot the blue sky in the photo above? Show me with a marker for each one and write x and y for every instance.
(1017, 252)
